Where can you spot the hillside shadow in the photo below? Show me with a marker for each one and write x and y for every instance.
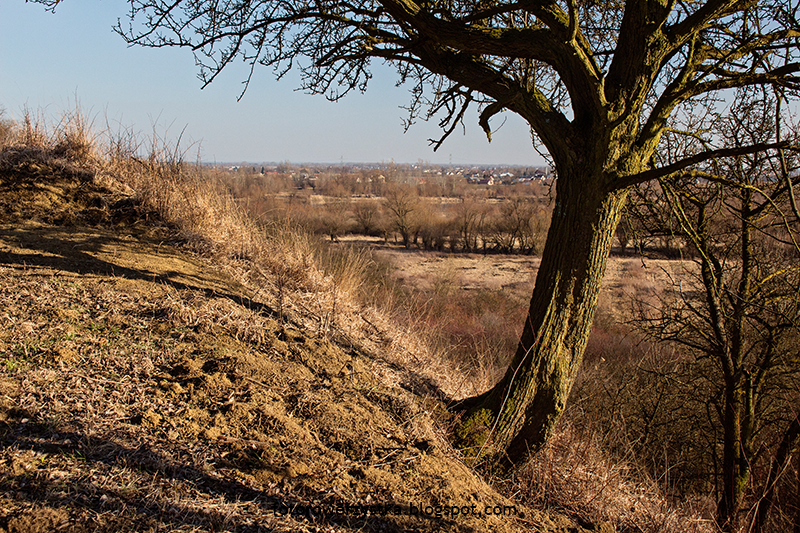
(85, 251)
(172, 494)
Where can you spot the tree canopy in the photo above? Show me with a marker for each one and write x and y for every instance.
(566, 67)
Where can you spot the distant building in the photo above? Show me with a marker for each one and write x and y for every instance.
(482, 179)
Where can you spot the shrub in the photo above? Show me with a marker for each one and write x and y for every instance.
(6, 129)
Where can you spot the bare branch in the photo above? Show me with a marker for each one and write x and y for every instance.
(678, 166)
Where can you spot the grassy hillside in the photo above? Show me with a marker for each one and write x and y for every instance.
(144, 387)
(168, 364)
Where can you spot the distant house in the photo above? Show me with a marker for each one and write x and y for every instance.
(482, 179)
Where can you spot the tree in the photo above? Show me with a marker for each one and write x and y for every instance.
(513, 227)
(469, 219)
(596, 81)
(402, 202)
(335, 217)
(367, 214)
(738, 312)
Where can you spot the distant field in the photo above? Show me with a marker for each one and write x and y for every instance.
(626, 277)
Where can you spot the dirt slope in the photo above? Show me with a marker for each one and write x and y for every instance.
(143, 390)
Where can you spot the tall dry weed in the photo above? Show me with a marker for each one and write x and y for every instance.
(574, 474)
(71, 141)
(7, 127)
(188, 196)
(75, 138)
(34, 132)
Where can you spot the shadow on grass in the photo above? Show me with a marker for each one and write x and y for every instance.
(83, 251)
(173, 493)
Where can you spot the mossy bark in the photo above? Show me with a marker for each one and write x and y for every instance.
(515, 417)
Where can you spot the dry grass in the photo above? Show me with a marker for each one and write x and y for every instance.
(315, 285)
(6, 128)
(309, 288)
(72, 138)
(574, 474)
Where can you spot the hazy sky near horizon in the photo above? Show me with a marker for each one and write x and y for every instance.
(50, 61)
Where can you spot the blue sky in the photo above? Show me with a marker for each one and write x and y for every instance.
(47, 61)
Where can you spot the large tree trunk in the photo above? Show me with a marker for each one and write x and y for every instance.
(518, 414)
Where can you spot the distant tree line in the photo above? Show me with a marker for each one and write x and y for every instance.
(443, 215)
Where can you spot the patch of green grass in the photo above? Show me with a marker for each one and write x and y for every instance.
(29, 349)
(14, 365)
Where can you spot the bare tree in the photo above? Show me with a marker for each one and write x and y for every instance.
(596, 81)
(469, 219)
(335, 217)
(534, 233)
(402, 202)
(511, 226)
(367, 214)
(738, 312)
